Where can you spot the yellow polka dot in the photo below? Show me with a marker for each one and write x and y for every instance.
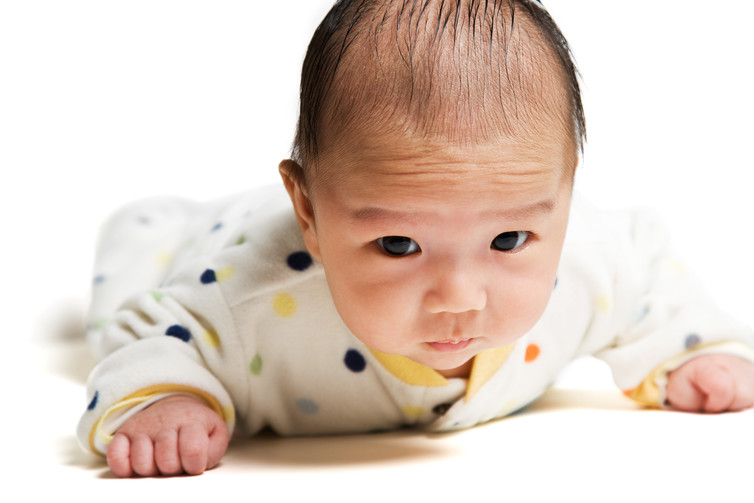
(211, 339)
(412, 411)
(224, 273)
(604, 303)
(676, 266)
(284, 305)
(164, 259)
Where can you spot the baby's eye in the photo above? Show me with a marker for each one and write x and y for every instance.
(398, 246)
(510, 241)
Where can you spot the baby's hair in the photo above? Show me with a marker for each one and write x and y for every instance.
(457, 70)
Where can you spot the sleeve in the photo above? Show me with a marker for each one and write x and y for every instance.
(671, 318)
(160, 343)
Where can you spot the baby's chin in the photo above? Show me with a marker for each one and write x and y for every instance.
(447, 359)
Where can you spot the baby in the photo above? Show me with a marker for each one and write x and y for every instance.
(434, 269)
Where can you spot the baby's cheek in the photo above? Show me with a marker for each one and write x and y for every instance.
(371, 313)
(523, 306)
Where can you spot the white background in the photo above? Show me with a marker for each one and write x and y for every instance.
(103, 102)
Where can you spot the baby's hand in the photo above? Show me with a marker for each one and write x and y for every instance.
(712, 383)
(175, 435)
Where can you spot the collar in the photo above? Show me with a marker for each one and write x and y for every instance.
(486, 363)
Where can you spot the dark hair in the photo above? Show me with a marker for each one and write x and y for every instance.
(336, 55)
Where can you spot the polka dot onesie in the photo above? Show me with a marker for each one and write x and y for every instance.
(221, 301)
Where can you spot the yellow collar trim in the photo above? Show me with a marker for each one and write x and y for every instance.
(408, 371)
(485, 365)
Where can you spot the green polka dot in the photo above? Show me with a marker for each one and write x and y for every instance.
(256, 365)
(158, 296)
(241, 240)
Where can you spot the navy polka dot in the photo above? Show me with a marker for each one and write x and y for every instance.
(355, 361)
(692, 340)
(93, 403)
(179, 332)
(208, 277)
(300, 261)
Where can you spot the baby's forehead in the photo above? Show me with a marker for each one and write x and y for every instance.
(406, 162)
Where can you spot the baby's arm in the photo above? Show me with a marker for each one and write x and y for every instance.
(712, 383)
(175, 435)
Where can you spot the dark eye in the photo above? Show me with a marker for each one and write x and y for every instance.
(398, 246)
(510, 241)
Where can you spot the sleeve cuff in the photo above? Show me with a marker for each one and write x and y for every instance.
(105, 427)
(652, 391)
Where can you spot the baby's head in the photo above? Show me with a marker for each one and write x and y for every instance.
(432, 170)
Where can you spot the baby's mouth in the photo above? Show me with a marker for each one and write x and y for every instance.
(449, 346)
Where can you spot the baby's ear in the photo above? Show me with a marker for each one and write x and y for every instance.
(301, 204)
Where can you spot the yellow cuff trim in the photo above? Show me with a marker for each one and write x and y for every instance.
(148, 393)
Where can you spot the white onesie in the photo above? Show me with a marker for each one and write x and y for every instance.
(221, 301)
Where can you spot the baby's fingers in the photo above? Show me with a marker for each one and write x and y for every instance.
(193, 445)
(166, 453)
(716, 383)
(119, 456)
(142, 456)
(702, 385)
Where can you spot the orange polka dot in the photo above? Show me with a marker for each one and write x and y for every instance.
(532, 352)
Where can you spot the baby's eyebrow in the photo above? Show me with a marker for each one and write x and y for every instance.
(372, 213)
(544, 207)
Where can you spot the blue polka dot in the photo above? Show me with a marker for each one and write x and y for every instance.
(208, 277)
(179, 332)
(217, 227)
(692, 340)
(556, 283)
(355, 361)
(300, 261)
(99, 279)
(93, 403)
(143, 220)
(307, 406)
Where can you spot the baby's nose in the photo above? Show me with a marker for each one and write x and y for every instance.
(456, 290)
